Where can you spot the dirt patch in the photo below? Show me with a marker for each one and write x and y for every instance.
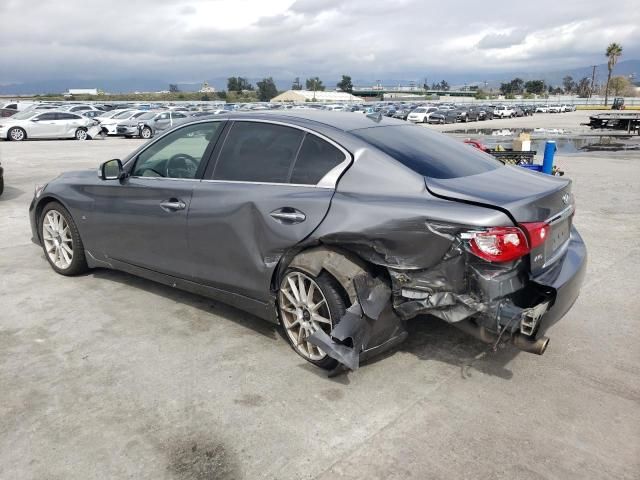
(202, 460)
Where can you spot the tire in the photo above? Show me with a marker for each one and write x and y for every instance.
(81, 134)
(1, 185)
(292, 310)
(17, 134)
(146, 133)
(60, 237)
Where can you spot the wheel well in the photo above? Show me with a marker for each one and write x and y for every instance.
(342, 265)
(40, 207)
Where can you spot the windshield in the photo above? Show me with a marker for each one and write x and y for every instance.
(428, 153)
(125, 114)
(420, 110)
(25, 115)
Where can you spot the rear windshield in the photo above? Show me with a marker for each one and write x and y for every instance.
(428, 153)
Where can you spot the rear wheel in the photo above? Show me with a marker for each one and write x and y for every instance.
(81, 134)
(17, 134)
(61, 240)
(307, 304)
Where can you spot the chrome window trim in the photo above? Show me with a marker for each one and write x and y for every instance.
(306, 185)
(329, 180)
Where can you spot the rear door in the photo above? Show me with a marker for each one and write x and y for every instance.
(68, 123)
(269, 187)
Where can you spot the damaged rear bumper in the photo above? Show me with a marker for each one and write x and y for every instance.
(491, 301)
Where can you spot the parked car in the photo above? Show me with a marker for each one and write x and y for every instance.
(78, 108)
(421, 114)
(542, 109)
(504, 111)
(401, 114)
(528, 110)
(443, 116)
(110, 124)
(1, 179)
(554, 109)
(287, 223)
(47, 124)
(149, 124)
(92, 113)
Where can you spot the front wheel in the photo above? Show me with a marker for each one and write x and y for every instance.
(307, 304)
(146, 133)
(61, 241)
(17, 134)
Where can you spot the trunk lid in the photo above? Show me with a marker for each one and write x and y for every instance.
(526, 196)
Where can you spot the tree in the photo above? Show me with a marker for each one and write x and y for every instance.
(619, 85)
(534, 86)
(296, 84)
(568, 84)
(173, 88)
(517, 86)
(345, 84)
(557, 91)
(238, 84)
(583, 87)
(481, 94)
(266, 89)
(314, 84)
(613, 52)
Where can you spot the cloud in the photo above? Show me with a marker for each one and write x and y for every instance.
(206, 39)
(502, 40)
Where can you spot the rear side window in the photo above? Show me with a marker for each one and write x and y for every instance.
(314, 161)
(258, 152)
(428, 153)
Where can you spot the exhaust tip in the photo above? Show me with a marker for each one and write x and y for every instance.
(531, 346)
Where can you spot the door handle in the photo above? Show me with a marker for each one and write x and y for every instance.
(288, 215)
(173, 205)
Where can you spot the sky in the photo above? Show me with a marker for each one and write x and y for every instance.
(186, 41)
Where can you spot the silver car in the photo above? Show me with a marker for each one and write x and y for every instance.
(47, 124)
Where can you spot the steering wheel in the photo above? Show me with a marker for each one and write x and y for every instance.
(181, 165)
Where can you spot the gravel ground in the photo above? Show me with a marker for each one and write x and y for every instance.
(110, 376)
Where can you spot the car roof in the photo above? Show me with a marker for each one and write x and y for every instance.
(345, 121)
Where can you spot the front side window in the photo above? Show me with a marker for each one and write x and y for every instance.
(46, 117)
(258, 152)
(177, 155)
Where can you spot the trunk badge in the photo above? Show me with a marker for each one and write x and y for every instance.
(566, 198)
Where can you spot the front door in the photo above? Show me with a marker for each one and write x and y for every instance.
(142, 220)
(266, 192)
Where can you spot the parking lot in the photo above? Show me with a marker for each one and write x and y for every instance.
(110, 376)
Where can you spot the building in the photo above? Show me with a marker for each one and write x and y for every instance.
(301, 96)
(206, 88)
(82, 91)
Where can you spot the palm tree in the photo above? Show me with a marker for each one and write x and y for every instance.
(613, 52)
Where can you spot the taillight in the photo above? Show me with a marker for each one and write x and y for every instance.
(504, 244)
(499, 244)
(537, 233)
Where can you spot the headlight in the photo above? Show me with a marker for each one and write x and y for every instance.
(38, 190)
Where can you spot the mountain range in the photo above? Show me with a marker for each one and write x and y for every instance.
(150, 84)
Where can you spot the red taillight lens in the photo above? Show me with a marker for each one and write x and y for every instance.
(500, 244)
(537, 233)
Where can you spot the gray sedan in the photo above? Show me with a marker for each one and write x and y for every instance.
(338, 227)
(149, 124)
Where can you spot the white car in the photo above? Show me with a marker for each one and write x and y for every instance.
(542, 109)
(503, 111)
(555, 109)
(78, 108)
(421, 114)
(47, 124)
(110, 125)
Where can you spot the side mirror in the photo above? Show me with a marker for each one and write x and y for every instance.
(111, 170)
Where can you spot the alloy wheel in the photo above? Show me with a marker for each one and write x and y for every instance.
(56, 236)
(303, 310)
(16, 134)
(81, 134)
